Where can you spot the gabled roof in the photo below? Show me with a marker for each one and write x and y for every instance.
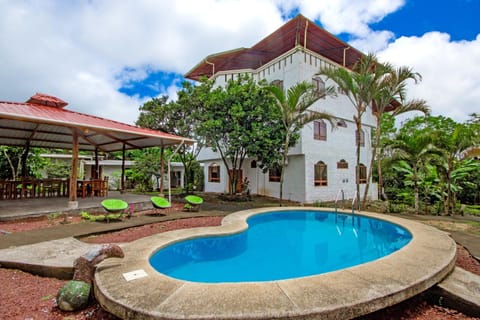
(43, 122)
(297, 32)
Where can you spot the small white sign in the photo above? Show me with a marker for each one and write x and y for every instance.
(137, 274)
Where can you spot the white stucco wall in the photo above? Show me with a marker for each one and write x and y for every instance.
(291, 68)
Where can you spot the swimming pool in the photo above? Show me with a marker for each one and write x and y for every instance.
(342, 294)
(282, 245)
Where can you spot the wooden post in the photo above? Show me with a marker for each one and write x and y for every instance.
(72, 197)
(97, 171)
(123, 170)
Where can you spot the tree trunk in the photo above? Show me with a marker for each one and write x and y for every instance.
(10, 163)
(449, 193)
(372, 162)
(415, 190)
(359, 127)
(284, 165)
(162, 168)
(24, 159)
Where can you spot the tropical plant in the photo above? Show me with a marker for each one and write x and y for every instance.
(390, 96)
(453, 139)
(360, 85)
(414, 150)
(295, 111)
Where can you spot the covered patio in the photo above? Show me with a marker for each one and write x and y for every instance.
(42, 121)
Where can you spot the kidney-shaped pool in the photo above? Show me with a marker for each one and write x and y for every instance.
(276, 263)
(282, 245)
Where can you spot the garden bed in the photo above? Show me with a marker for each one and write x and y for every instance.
(25, 296)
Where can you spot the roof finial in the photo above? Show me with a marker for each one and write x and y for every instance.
(46, 100)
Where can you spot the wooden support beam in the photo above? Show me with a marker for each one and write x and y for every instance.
(72, 197)
(123, 169)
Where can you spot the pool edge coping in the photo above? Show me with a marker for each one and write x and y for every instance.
(378, 284)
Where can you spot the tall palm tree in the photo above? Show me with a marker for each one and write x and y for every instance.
(391, 94)
(295, 113)
(360, 86)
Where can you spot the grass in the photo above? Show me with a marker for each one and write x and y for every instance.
(473, 210)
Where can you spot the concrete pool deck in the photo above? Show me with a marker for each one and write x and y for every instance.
(344, 294)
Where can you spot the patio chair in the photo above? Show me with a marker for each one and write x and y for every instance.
(114, 205)
(160, 203)
(193, 203)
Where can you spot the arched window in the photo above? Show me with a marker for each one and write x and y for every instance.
(318, 84)
(320, 130)
(362, 173)
(277, 83)
(341, 123)
(342, 164)
(274, 174)
(321, 177)
(253, 164)
(360, 137)
(214, 173)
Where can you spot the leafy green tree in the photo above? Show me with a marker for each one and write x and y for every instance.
(240, 120)
(295, 112)
(361, 87)
(450, 140)
(11, 159)
(180, 117)
(146, 166)
(58, 169)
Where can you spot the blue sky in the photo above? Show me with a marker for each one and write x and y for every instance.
(108, 57)
(459, 18)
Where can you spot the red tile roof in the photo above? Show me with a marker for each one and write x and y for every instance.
(299, 31)
(45, 123)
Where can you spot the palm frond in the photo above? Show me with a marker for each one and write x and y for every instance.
(413, 105)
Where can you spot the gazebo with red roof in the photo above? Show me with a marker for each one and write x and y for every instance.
(44, 122)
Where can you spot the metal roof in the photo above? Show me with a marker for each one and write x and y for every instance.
(299, 31)
(44, 122)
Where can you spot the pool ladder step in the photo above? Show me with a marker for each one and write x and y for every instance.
(355, 198)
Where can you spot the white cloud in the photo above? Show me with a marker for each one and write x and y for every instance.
(451, 81)
(373, 41)
(348, 16)
(83, 51)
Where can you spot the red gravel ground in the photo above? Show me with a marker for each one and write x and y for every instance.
(27, 297)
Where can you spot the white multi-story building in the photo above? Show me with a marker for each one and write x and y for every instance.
(324, 160)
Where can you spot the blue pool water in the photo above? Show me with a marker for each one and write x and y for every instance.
(282, 245)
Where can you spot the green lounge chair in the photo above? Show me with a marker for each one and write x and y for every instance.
(114, 205)
(160, 203)
(193, 203)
